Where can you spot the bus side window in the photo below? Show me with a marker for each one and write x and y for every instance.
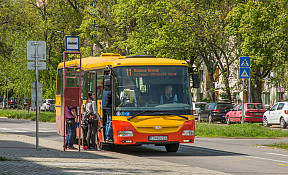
(100, 77)
(85, 85)
(59, 89)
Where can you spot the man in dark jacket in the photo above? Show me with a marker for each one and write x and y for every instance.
(107, 107)
(168, 97)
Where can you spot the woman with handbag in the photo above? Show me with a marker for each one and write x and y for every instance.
(93, 118)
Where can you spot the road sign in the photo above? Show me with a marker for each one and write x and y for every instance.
(32, 65)
(72, 43)
(33, 94)
(36, 46)
(244, 61)
(244, 72)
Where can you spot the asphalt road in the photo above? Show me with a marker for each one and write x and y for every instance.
(233, 156)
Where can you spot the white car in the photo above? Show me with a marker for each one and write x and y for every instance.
(197, 107)
(46, 104)
(276, 115)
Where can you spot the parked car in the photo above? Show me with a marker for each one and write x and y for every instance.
(215, 112)
(26, 103)
(46, 104)
(12, 103)
(197, 107)
(276, 115)
(52, 107)
(253, 112)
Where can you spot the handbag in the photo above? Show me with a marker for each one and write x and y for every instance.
(84, 119)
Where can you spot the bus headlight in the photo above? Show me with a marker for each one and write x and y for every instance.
(125, 133)
(188, 133)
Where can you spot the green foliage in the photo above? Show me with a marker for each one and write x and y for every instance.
(4, 158)
(254, 130)
(207, 100)
(21, 114)
(213, 32)
(262, 28)
(279, 145)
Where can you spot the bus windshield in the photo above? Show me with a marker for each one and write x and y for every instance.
(152, 88)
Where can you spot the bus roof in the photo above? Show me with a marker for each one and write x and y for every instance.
(116, 60)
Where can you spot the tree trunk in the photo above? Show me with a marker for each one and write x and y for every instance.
(5, 99)
(227, 88)
(256, 90)
(211, 86)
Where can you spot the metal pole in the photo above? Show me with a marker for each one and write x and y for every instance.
(64, 97)
(7, 94)
(243, 102)
(80, 105)
(249, 91)
(36, 85)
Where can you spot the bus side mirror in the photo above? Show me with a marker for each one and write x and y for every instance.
(107, 83)
(196, 81)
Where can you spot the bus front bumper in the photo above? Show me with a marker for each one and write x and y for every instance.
(125, 134)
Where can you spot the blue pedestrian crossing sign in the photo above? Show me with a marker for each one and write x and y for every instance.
(244, 61)
(244, 72)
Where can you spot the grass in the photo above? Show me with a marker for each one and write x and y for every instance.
(247, 130)
(279, 145)
(23, 114)
(3, 158)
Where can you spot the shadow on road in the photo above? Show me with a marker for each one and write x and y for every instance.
(184, 150)
(24, 159)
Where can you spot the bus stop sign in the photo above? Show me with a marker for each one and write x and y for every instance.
(72, 43)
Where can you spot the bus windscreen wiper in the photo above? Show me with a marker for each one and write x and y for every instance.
(174, 114)
(157, 114)
(142, 112)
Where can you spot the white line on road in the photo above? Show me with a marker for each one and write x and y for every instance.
(277, 154)
(267, 159)
(23, 130)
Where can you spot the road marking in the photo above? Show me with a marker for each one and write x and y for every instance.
(277, 154)
(267, 159)
(25, 130)
(282, 164)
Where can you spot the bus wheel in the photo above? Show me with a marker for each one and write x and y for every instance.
(172, 147)
(105, 146)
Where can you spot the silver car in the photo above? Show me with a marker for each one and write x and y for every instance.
(197, 107)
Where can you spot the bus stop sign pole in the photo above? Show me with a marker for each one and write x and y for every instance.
(36, 50)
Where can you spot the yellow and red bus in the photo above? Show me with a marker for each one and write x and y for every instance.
(146, 120)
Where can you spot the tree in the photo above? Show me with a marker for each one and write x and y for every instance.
(182, 29)
(262, 28)
(23, 21)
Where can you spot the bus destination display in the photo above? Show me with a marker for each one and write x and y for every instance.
(142, 72)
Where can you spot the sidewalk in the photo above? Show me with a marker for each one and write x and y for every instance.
(24, 159)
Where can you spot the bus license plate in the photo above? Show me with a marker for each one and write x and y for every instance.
(157, 138)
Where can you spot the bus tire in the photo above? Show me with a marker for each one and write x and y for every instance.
(172, 147)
